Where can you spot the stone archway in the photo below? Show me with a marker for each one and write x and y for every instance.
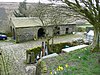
(41, 32)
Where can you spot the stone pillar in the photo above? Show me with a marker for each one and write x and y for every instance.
(30, 57)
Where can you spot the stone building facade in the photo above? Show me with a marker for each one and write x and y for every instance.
(24, 29)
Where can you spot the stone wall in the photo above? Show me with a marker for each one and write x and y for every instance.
(35, 30)
(49, 31)
(24, 34)
(71, 28)
(63, 30)
(31, 33)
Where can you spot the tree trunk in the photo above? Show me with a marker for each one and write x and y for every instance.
(52, 45)
(96, 41)
(52, 40)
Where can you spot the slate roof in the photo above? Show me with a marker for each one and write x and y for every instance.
(26, 22)
(29, 22)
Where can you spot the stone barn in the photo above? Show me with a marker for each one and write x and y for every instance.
(25, 28)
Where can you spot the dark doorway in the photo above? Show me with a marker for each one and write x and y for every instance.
(41, 32)
(67, 30)
(11, 28)
(56, 30)
(13, 31)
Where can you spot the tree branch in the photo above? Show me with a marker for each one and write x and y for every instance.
(89, 11)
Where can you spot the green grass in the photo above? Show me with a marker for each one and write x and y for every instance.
(80, 62)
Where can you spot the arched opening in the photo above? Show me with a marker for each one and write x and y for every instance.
(13, 32)
(56, 30)
(41, 32)
(67, 29)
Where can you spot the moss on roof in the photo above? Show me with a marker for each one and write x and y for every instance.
(32, 21)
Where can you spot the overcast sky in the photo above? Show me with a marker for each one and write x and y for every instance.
(45, 1)
(35, 1)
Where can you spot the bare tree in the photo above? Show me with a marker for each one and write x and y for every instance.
(90, 9)
(56, 18)
(23, 10)
(49, 15)
(40, 11)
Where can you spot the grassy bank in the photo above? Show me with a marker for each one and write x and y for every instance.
(79, 62)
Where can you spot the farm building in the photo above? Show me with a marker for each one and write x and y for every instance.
(28, 28)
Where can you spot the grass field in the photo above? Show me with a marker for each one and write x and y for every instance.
(79, 62)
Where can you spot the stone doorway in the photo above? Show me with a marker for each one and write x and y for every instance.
(41, 33)
(13, 32)
(67, 29)
(56, 30)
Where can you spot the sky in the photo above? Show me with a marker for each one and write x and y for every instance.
(45, 1)
(35, 1)
(23, 0)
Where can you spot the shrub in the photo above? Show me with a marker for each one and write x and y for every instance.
(56, 48)
(41, 67)
(35, 50)
(80, 29)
